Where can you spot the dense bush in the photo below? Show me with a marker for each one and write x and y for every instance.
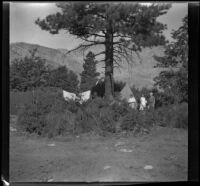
(32, 72)
(59, 123)
(161, 98)
(28, 73)
(175, 115)
(18, 100)
(63, 78)
(42, 102)
(103, 117)
(48, 114)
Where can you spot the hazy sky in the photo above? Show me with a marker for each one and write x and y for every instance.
(23, 28)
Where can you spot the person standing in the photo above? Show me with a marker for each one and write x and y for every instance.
(151, 101)
(143, 102)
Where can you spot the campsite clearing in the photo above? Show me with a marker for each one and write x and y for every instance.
(159, 156)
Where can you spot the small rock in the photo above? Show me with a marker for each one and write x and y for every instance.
(107, 167)
(50, 180)
(148, 167)
(119, 143)
(126, 150)
(51, 144)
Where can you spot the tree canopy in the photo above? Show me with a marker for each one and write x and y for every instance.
(63, 78)
(174, 79)
(32, 72)
(28, 73)
(122, 28)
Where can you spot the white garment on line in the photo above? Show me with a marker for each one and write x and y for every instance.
(69, 96)
(84, 96)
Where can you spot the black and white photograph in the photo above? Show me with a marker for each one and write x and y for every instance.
(98, 91)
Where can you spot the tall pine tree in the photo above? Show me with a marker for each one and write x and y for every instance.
(89, 75)
(122, 28)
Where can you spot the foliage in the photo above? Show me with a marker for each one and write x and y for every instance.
(59, 123)
(43, 102)
(47, 114)
(32, 72)
(175, 115)
(161, 98)
(174, 79)
(18, 100)
(122, 28)
(137, 121)
(64, 79)
(89, 74)
(28, 73)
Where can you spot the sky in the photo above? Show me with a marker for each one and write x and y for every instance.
(24, 29)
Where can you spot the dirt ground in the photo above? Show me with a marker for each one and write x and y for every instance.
(159, 156)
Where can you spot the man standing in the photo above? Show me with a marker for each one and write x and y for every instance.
(151, 101)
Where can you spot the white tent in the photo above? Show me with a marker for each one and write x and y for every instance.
(126, 92)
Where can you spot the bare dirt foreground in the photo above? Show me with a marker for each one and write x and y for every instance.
(159, 156)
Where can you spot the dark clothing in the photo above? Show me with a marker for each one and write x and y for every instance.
(152, 102)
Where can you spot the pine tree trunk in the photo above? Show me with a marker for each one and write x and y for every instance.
(109, 84)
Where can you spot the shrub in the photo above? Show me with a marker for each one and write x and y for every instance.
(44, 101)
(59, 123)
(48, 114)
(175, 115)
(137, 121)
(18, 100)
(104, 118)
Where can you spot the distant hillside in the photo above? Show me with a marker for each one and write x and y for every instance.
(54, 57)
(138, 74)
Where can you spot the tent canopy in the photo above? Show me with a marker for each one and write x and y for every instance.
(126, 92)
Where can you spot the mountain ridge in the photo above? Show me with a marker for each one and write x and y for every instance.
(138, 74)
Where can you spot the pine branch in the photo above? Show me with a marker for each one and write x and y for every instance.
(97, 35)
(84, 46)
(122, 36)
(90, 41)
(131, 50)
(117, 63)
(125, 56)
(100, 53)
(117, 57)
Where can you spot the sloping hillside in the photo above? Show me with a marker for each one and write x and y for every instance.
(139, 74)
(54, 57)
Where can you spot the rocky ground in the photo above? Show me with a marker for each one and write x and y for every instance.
(159, 156)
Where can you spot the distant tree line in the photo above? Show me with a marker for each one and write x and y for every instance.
(32, 72)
